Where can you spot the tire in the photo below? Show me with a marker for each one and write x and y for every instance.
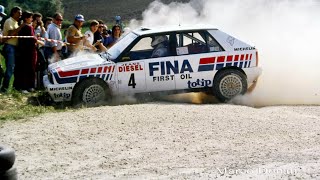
(90, 92)
(7, 158)
(228, 84)
(11, 174)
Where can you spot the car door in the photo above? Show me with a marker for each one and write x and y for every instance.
(131, 77)
(159, 67)
(197, 60)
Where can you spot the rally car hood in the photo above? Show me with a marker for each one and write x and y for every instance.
(79, 62)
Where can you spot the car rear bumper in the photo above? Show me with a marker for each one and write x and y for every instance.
(252, 77)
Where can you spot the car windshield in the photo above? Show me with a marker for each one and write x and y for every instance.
(123, 42)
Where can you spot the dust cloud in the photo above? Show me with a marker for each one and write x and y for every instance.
(286, 34)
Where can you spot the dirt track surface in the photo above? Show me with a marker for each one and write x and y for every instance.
(168, 140)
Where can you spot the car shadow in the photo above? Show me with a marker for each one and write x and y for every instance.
(43, 99)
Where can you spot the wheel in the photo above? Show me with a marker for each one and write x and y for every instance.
(10, 174)
(228, 84)
(90, 92)
(7, 158)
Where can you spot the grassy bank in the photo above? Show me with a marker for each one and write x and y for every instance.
(15, 105)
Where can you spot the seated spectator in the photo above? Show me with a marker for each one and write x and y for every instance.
(113, 38)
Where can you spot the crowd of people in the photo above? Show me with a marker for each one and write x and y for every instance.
(37, 43)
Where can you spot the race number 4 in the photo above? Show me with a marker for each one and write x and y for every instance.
(132, 81)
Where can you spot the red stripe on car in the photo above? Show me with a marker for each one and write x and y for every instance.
(236, 58)
(221, 59)
(105, 69)
(208, 60)
(93, 70)
(84, 71)
(242, 57)
(67, 73)
(99, 70)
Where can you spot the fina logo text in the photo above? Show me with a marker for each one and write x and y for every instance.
(167, 67)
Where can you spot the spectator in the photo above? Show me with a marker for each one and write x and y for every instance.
(38, 25)
(105, 33)
(98, 38)
(52, 49)
(115, 35)
(2, 16)
(74, 35)
(47, 21)
(119, 22)
(42, 62)
(25, 69)
(11, 28)
(98, 33)
(64, 50)
(90, 35)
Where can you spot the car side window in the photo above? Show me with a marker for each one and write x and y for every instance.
(153, 46)
(191, 43)
(195, 43)
(213, 45)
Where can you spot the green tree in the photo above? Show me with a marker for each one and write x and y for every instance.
(45, 7)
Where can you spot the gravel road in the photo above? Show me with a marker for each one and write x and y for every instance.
(168, 140)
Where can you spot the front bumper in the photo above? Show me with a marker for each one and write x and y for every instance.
(58, 92)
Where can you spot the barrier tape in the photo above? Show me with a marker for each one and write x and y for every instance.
(41, 38)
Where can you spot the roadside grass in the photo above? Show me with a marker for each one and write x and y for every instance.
(15, 105)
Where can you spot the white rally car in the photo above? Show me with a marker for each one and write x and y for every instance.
(162, 59)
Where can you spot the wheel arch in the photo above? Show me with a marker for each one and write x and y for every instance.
(88, 79)
(227, 68)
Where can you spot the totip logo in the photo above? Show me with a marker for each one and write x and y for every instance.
(199, 83)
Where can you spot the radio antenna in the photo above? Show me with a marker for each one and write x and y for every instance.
(179, 15)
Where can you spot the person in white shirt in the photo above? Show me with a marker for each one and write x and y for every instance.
(90, 35)
(52, 49)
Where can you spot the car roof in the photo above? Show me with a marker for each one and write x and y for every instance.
(172, 28)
